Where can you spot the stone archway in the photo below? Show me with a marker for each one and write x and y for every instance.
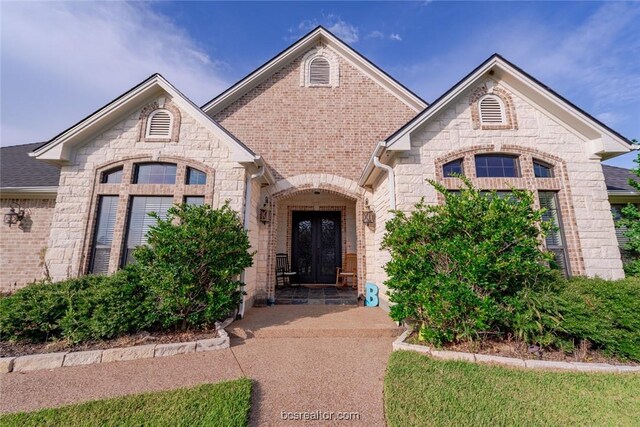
(299, 185)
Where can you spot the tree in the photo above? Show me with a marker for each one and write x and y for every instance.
(630, 221)
(192, 262)
(462, 269)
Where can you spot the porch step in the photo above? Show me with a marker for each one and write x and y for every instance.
(309, 321)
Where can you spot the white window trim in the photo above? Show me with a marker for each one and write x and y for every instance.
(503, 114)
(148, 125)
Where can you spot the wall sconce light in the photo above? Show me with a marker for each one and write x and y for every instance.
(264, 215)
(14, 215)
(368, 215)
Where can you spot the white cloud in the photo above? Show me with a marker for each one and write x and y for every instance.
(591, 60)
(347, 32)
(375, 34)
(395, 36)
(63, 60)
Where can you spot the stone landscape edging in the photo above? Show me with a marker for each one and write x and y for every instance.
(400, 344)
(36, 362)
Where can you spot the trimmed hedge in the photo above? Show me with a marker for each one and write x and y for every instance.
(82, 309)
(605, 313)
(186, 277)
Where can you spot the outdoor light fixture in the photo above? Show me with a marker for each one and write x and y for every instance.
(265, 212)
(368, 215)
(14, 215)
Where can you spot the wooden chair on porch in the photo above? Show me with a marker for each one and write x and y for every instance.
(348, 272)
(284, 274)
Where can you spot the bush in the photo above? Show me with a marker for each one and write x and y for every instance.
(191, 264)
(606, 313)
(82, 309)
(462, 269)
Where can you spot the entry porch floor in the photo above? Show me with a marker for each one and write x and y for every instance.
(316, 294)
(315, 321)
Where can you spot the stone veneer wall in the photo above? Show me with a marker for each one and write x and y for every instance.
(75, 199)
(315, 130)
(536, 132)
(20, 249)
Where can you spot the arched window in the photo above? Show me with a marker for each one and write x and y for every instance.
(127, 192)
(159, 124)
(452, 168)
(319, 71)
(542, 169)
(496, 166)
(491, 110)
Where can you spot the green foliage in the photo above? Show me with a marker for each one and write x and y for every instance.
(606, 313)
(191, 264)
(421, 391)
(466, 267)
(225, 404)
(630, 219)
(186, 277)
(82, 309)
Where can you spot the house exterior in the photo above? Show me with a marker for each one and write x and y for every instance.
(304, 149)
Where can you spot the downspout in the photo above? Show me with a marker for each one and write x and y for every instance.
(247, 210)
(391, 177)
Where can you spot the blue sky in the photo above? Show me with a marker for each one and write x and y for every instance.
(61, 61)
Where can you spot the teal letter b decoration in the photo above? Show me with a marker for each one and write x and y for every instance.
(371, 295)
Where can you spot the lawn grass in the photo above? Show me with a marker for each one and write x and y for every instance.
(420, 391)
(224, 404)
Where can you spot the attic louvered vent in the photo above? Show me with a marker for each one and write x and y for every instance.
(491, 110)
(159, 124)
(319, 72)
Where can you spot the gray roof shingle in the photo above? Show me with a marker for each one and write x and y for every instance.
(617, 179)
(17, 169)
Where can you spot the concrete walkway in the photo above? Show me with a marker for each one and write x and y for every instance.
(291, 374)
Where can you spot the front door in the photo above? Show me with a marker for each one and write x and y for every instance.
(315, 245)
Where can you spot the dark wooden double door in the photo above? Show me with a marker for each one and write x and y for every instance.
(316, 245)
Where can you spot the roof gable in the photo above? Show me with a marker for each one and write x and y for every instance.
(603, 141)
(319, 34)
(60, 148)
(532, 88)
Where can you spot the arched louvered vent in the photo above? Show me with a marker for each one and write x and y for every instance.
(491, 110)
(319, 72)
(159, 124)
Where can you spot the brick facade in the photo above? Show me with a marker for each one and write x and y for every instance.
(21, 248)
(301, 130)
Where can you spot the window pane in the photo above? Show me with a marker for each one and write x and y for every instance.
(196, 177)
(542, 170)
(616, 212)
(112, 176)
(140, 221)
(496, 166)
(555, 238)
(194, 200)
(107, 209)
(155, 173)
(451, 168)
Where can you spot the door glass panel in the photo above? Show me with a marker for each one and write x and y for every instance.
(328, 247)
(305, 248)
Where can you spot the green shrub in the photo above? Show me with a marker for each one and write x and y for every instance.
(464, 268)
(82, 309)
(192, 262)
(606, 313)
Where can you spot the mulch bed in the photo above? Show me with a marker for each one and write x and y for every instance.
(517, 349)
(10, 349)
